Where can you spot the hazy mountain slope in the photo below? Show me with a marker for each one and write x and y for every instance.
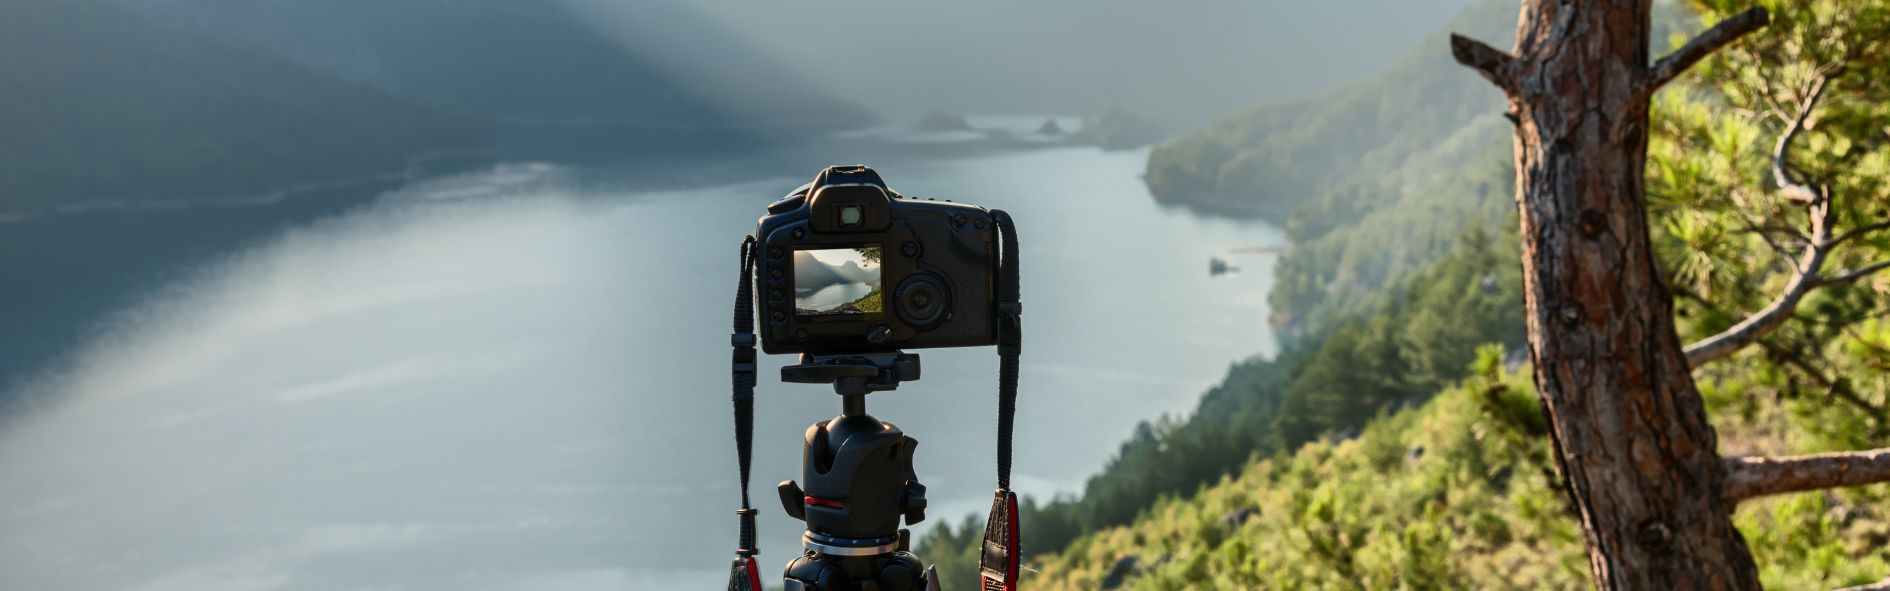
(520, 61)
(1268, 161)
(811, 273)
(1373, 181)
(1367, 234)
(1182, 62)
(102, 106)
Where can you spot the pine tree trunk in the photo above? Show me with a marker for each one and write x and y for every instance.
(1630, 430)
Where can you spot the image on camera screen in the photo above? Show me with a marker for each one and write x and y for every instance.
(837, 281)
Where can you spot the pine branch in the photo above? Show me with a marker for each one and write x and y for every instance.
(1757, 476)
(1698, 48)
(1794, 189)
(1804, 279)
(1883, 585)
(1835, 387)
(1495, 64)
(1806, 275)
(1854, 275)
(1859, 231)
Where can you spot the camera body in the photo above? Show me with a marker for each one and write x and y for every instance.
(847, 265)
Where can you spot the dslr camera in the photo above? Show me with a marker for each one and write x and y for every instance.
(846, 272)
(847, 265)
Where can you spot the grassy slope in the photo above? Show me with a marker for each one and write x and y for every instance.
(1451, 495)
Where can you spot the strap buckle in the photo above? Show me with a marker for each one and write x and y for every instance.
(742, 361)
(1010, 327)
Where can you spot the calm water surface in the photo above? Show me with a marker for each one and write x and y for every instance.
(518, 380)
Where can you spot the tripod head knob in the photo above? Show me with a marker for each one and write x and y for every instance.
(793, 499)
(915, 502)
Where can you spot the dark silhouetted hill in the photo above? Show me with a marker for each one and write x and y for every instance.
(100, 106)
(811, 273)
(530, 61)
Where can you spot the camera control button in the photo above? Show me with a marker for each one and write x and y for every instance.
(922, 301)
(879, 333)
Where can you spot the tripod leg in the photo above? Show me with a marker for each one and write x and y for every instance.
(931, 579)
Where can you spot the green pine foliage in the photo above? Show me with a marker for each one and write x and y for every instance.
(1730, 238)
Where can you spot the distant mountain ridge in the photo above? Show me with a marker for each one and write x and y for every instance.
(101, 106)
(142, 103)
(812, 273)
(524, 61)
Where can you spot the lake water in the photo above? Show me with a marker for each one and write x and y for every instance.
(830, 297)
(518, 379)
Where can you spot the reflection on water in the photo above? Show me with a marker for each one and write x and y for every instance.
(508, 390)
(830, 297)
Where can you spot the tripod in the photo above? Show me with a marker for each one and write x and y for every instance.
(856, 483)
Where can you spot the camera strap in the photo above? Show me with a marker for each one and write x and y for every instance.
(998, 563)
(744, 574)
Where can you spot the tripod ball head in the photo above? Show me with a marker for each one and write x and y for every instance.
(858, 480)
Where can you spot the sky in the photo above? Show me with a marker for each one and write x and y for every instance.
(1184, 61)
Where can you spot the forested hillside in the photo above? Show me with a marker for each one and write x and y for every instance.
(1352, 480)
(1269, 161)
(1458, 494)
(1372, 181)
(102, 106)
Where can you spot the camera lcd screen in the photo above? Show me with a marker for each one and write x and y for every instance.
(838, 281)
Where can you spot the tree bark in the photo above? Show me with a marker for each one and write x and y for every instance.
(1753, 477)
(1628, 426)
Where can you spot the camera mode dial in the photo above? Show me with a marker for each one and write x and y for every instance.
(922, 300)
